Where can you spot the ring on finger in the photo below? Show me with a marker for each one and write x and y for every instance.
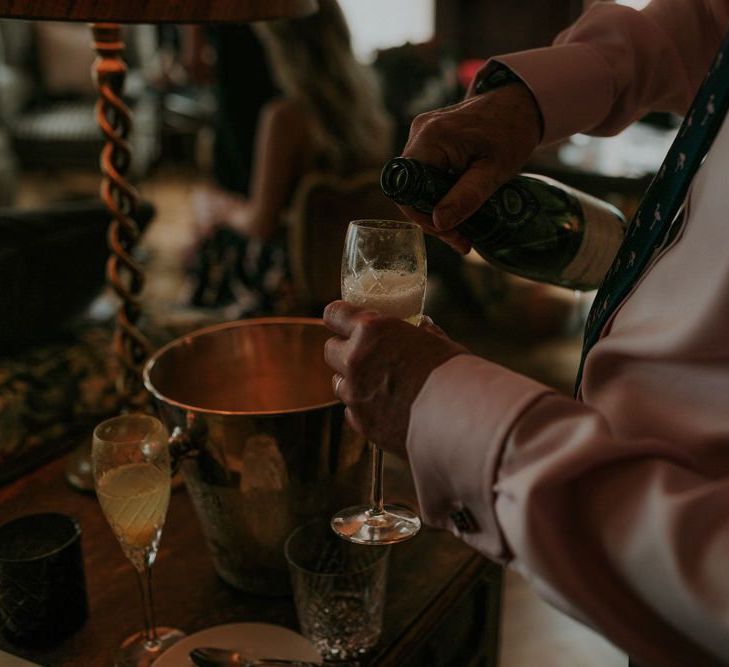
(337, 379)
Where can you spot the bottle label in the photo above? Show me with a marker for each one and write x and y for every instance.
(602, 235)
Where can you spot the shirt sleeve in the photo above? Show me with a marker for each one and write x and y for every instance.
(624, 535)
(615, 64)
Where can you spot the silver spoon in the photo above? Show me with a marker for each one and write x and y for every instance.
(208, 656)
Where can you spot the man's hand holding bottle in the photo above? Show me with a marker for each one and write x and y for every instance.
(486, 139)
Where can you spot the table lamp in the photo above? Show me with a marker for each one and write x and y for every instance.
(124, 274)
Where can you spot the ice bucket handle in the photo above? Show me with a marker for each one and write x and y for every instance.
(183, 441)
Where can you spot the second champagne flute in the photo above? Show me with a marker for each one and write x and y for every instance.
(131, 466)
(383, 268)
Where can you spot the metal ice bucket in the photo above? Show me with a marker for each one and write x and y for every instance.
(260, 437)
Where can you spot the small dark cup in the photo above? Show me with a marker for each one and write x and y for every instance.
(42, 584)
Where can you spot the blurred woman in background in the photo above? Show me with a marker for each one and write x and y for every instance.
(328, 118)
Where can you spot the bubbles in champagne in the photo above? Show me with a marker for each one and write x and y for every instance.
(394, 293)
(134, 498)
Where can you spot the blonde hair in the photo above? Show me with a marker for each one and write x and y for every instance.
(313, 63)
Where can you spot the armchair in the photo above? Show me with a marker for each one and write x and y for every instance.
(47, 96)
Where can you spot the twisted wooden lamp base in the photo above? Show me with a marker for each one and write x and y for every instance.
(124, 274)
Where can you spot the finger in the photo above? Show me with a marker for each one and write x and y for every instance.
(425, 220)
(427, 324)
(468, 194)
(428, 150)
(455, 240)
(335, 353)
(353, 421)
(428, 142)
(341, 317)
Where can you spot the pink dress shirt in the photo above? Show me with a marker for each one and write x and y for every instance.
(616, 507)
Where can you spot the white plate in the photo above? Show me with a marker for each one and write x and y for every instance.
(251, 640)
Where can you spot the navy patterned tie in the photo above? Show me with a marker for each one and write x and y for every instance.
(662, 203)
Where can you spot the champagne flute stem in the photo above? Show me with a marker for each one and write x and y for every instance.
(376, 492)
(144, 578)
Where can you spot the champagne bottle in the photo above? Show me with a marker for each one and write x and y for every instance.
(532, 226)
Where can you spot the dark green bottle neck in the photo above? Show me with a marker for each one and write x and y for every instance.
(412, 183)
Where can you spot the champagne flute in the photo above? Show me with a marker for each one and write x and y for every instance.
(383, 268)
(131, 466)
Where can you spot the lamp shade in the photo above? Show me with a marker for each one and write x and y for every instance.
(156, 11)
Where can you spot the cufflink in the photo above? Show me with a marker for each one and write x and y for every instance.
(463, 520)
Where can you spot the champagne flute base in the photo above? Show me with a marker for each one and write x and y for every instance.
(359, 524)
(136, 651)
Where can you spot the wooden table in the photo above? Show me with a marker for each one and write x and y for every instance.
(442, 607)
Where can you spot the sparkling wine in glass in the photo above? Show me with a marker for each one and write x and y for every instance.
(131, 467)
(383, 268)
